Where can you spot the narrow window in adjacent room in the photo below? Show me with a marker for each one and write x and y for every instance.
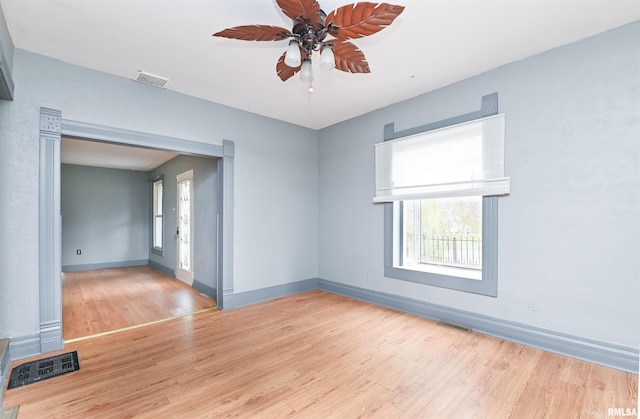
(157, 215)
(441, 218)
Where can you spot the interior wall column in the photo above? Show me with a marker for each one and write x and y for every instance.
(50, 232)
(224, 285)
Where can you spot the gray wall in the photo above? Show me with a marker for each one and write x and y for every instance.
(568, 232)
(571, 245)
(205, 191)
(268, 251)
(105, 213)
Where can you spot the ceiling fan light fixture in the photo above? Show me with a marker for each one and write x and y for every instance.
(327, 59)
(311, 26)
(306, 72)
(292, 57)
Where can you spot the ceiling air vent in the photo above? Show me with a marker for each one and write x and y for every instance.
(150, 79)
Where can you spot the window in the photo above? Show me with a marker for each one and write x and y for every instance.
(443, 236)
(157, 215)
(440, 188)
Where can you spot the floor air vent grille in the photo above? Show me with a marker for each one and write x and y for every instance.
(454, 326)
(43, 369)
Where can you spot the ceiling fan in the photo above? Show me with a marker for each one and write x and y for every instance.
(311, 27)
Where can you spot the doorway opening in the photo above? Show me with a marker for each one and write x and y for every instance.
(52, 127)
(118, 267)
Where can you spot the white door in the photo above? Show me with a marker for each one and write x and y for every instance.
(184, 265)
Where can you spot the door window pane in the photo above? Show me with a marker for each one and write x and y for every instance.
(184, 256)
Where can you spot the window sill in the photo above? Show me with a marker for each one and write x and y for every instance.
(445, 271)
(485, 286)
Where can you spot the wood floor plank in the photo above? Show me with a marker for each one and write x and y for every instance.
(104, 300)
(313, 355)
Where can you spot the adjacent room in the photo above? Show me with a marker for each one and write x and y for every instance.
(121, 247)
(419, 209)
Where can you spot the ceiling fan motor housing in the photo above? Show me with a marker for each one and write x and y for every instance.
(310, 35)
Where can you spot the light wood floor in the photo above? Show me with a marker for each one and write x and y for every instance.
(110, 299)
(319, 355)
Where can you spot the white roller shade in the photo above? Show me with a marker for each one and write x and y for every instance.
(461, 160)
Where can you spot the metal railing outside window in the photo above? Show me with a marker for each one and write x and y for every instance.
(459, 252)
(465, 252)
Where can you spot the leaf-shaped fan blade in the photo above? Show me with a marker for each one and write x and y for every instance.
(361, 19)
(309, 9)
(350, 58)
(284, 71)
(255, 33)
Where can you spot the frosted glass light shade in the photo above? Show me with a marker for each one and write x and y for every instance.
(306, 72)
(327, 59)
(292, 57)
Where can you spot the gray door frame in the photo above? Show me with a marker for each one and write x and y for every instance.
(52, 128)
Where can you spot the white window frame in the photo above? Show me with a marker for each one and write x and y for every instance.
(155, 214)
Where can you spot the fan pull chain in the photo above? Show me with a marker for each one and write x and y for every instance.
(310, 92)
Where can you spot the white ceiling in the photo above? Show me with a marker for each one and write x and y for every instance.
(114, 156)
(430, 45)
